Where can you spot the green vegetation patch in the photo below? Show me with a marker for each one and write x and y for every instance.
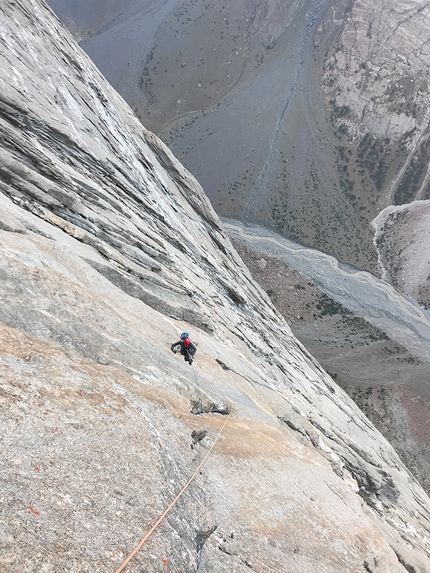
(329, 307)
(360, 326)
(372, 157)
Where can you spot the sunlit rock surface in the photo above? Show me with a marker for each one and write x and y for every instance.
(109, 249)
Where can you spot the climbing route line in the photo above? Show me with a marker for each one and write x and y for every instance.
(160, 519)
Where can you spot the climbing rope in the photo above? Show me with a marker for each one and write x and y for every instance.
(199, 400)
(157, 523)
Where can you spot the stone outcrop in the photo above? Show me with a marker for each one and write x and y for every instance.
(402, 237)
(271, 19)
(109, 249)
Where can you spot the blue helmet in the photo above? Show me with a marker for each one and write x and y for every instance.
(185, 335)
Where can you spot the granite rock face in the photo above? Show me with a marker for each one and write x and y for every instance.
(109, 249)
(341, 134)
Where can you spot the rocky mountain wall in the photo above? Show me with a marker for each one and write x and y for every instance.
(109, 249)
(340, 134)
(376, 84)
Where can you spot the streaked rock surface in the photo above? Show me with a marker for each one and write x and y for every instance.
(109, 249)
(311, 115)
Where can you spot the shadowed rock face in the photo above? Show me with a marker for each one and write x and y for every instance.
(310, 115)
(109, 249)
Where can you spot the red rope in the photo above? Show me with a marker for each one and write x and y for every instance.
(157, 523)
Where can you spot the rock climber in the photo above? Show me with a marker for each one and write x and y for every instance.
(187, 347)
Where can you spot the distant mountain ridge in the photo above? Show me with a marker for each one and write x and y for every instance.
(311, 116)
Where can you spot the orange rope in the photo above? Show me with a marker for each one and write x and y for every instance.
(157, 523)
